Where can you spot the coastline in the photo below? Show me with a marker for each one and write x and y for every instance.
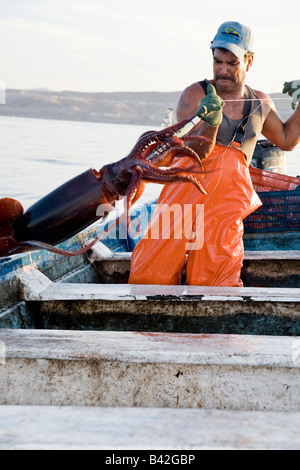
(137, 108)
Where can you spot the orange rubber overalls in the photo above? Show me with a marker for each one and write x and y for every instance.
(216, 258)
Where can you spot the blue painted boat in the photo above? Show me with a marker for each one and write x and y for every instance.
(273, 227)
(271, 239)
(233, 352)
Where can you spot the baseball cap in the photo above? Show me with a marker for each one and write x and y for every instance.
(235, 37)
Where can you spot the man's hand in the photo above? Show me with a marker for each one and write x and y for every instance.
(211, 107)
(293, 89)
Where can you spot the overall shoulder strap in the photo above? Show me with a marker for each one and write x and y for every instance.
(240, 132)
(204, 84)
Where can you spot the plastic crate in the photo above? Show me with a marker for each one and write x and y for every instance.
(266, 181)
(280, 212)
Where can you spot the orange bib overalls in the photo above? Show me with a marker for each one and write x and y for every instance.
(216, 256)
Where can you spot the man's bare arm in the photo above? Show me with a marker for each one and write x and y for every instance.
(188, 104)
(285, 135)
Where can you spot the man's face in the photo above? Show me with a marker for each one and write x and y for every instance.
(229, 70)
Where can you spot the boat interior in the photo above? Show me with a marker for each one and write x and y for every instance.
(75, 335)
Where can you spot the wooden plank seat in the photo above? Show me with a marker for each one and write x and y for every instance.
(186, 309)
(260, 268)
(134, 369)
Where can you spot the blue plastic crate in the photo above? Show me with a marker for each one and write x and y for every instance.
(280, 212)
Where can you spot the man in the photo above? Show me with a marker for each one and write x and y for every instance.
(234, 118)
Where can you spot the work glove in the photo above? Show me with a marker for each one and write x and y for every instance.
(210, 109)
(293, 89)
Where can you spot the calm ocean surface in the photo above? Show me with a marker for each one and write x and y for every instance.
(39, 155)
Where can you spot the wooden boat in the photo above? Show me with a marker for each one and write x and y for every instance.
(173, 359)
(149, 367)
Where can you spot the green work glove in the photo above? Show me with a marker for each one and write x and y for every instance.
(293, 89)
(211, 107)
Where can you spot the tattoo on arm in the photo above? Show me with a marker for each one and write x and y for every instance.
(183, 106)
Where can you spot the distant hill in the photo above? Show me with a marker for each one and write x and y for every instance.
(145, 108)
(122, 108)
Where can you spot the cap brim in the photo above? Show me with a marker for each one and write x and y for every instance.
(236, 50)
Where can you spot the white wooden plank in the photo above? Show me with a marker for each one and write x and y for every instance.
(84, 428)
(233, 350)
(99, 254)
(273, 255)
(62, 291)
(89, 368)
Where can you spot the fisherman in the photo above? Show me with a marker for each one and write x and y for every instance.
(235, 116)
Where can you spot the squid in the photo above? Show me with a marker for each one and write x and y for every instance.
(75, 205)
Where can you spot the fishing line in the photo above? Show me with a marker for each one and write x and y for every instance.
(236, 130)
(224, 153)
(260, 99)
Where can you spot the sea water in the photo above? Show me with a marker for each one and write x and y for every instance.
(38, 155)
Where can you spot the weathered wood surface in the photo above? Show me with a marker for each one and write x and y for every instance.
(260, 268)
(133, 369)
(85, 428)
(183, 309)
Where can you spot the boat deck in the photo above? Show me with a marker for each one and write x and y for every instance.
(145, 367)
(168, 370)
(181, 309)
(129, 390)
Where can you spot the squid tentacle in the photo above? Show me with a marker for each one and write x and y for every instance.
(180, 177)
(57, 217)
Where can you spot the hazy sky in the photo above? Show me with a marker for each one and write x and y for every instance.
(139, 45)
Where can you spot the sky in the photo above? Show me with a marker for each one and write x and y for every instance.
(139, 45)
